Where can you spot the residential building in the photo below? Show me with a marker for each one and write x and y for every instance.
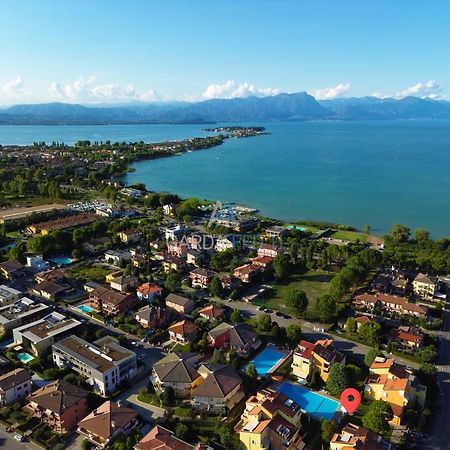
(201, 277)
(391, 303)
(107, 423)
(124, 283)
(36, 263)
(10, 270)
(182, 305)
(211, 312)
(395, 384)
(320, 356)
(177, 248)
(271, 250)
(359, 438)
(263, 261)
(149, 291)
(229, 282)
(153, 317)
(131, 192)
(19, 313)
(110, 302)
(37, 337)
(271, 421)
(110, 276)
(195, 258)
(14, 386)
(117, 257)
(174, 233)
(51, 290)
(60, 405)
(177, 370)
(425, 286)
(220, 390)
(183, 332)
(407, 336)
(160, 438)
(224, 243)
(361, 320)
(139, 261)
(240, 337)
(64, 223)
(247, 272)
(276, 232)
(170, 209)
(105, 364)
(130, 236)
(172, 264)
(96, 246)
(8, 295)
(52, 275)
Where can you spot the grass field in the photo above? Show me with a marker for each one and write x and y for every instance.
(315, 283)
(349, 236)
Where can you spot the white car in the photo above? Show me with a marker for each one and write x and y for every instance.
(134, 344)
(19, 437)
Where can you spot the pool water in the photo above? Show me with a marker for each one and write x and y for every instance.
(25, 357)
(61, 260)
(267, 360)
(313, 403)
(85, 308)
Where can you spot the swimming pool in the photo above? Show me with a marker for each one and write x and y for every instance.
(313, 403)
(61, 260)
(86, 309)
(266, 361)
(25, 357)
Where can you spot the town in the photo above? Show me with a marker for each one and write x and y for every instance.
(137, 319)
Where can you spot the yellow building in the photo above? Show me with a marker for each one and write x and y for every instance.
(354, 436)
(396, 385)
(320, 356)
(424, 286)
(271, 420)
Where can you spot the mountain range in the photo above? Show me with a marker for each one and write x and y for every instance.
(281, 107)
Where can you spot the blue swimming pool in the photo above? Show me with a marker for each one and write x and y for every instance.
(313, 403)
(25, 357)
(267, 360)
(86, 309)
(61, 260)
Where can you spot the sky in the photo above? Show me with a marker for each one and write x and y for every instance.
(110, 51)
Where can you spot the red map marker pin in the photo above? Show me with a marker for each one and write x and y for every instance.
(350, 400)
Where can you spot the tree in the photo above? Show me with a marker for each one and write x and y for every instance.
(370, 356)
(250, 371)
(370, 332)
(377, 417)
(367, 229)
(236, 316)
(316, 380)
(338, 380)
(399, 233)
(181, 431)
(297, 302)
(294, 333)
(264, 322)
(293, 252)
(355, 374)
(422, 235)
(325, 309)
(350, 325)
(173, 282)
(327, 430)
(215, 287)
(218, 357)
(280, 266)
(168, 396)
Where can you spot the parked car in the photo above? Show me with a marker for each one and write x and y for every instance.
(19, 437)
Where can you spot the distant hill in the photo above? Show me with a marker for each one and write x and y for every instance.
(298, 106)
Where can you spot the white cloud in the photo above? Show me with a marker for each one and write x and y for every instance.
(331, 92)
(14, 91)
(231, 89)
(88, 89)
(429, 89)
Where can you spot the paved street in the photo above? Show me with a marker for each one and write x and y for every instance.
(8, 442)
(441, 429)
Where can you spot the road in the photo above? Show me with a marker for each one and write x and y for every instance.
(312, 332)
(8, 442)
(440, 439)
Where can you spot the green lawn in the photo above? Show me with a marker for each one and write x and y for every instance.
(93, 273)
(315, 283)
(349, 236)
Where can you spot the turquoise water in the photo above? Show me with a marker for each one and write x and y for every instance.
(316, 405)
(266, 360)
(25, 357)
(61, 260)
(371, 172)
(85, 308)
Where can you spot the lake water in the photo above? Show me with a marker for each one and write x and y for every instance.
(357, 173)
